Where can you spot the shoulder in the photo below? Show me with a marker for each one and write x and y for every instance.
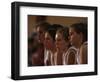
(72, 50)
(84, 46)
(83, 53)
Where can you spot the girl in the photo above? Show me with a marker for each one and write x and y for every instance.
(78, 38)
(64, 54)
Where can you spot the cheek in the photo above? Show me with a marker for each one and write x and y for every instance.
(48, 43)
(59, 44)
(75, 39)
(71, 38)
(40, 38)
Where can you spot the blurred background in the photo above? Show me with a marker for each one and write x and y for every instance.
(64, 21)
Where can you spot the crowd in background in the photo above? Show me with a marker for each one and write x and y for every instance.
(58, 45)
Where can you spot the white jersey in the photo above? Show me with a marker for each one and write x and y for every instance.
(48, 56)
(45, 56)
(67, 54)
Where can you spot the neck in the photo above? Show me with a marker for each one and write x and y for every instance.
(65, 49)
(78, 44)
(62, 50)
(52, 48)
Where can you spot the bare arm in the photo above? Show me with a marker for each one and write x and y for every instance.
(83, 54)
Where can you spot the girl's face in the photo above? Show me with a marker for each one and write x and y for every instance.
(48, 41)
(74, 37)
(60, 42)
(41, 33)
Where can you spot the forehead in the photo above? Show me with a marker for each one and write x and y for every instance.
(58, 35)
(71, 30)
(40, 28)
(47, 34)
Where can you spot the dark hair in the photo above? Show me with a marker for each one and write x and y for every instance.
(80, 28)
(30, 40)
(64, 32)
(43, 25)
(57, 26)
(52, 30)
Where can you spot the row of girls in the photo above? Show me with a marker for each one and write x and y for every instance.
(58, 45)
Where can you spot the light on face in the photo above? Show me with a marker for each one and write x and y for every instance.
(58, 37)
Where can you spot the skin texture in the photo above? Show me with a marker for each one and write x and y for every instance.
(60, 42)
(75, 38)
(48, 41)
(41, 34)
(49, 45)
(61, 47)
(83, 54)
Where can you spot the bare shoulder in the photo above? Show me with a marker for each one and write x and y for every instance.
(84, 47)
(83, 53)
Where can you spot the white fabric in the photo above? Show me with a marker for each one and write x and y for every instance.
(67, 54)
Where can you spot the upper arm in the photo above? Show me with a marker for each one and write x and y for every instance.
(83, 54)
